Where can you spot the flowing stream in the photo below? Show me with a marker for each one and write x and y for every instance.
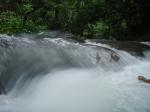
(61, 75)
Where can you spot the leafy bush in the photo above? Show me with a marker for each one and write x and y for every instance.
(10, 23)
(101, 30)
(30, 26)
(98, 30)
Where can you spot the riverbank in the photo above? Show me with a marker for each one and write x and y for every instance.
(87, 19)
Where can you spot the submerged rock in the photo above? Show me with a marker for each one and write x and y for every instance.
(2, 89)
(114, 57)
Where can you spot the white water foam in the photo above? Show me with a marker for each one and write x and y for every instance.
(98, 89)
(82, 90)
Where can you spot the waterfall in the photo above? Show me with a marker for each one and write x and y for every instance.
(62, 75)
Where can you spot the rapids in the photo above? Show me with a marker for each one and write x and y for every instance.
(61, 75)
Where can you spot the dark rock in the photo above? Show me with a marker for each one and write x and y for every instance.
(2, 89)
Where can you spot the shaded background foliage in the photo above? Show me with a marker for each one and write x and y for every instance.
(108, 19)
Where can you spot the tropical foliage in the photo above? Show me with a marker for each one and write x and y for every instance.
(119, 19)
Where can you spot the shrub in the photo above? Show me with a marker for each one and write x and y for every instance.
(98, 30)
(10, 23)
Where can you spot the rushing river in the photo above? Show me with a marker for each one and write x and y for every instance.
(59, 75)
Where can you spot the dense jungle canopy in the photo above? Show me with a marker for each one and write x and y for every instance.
(103, 19)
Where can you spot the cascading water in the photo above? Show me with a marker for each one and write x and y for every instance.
(59, 75)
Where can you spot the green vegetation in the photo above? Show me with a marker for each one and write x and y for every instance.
(11, 23)
(109, 19)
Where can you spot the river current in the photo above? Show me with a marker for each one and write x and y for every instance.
(59, 75)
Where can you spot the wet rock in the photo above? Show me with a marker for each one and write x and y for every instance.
(2, 89)
(133, 47)
(114, 57)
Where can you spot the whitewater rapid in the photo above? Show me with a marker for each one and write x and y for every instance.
(83, 85)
